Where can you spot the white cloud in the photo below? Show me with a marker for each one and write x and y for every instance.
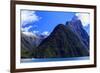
(28, 16)
(84, 17)
(35, 31)
(26, 29)
(45, 33)
(28, 33)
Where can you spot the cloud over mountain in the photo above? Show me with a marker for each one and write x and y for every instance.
(45, 33)
(84, 17)
(25, 29)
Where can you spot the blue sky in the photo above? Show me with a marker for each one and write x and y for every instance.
(43, 22)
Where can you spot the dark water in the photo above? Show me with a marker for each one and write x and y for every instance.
(53, 59)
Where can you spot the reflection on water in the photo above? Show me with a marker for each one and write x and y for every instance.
(53, 59)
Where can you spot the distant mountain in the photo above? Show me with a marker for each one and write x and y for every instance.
(29, 42)
(68, 40)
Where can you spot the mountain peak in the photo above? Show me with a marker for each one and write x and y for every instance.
(77, 24)
(62, 42)
(69, 40)
(75, 18)
(60, 25)
(77, 27)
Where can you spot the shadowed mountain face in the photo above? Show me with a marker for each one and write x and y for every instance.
(77, 28)
(68, 40)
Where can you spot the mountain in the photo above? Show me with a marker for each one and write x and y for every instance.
(78, 29)
(87, 29)
(63, 42)
(29, 41)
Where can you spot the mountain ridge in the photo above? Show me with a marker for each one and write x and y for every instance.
(69, 40)
(61, 43)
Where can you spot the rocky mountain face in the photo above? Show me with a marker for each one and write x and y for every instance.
(66, 40)
(77, 28)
